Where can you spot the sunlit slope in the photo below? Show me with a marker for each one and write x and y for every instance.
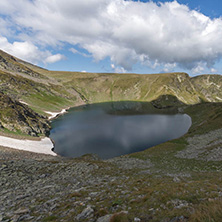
(99, 87)
(39, 96)
(209, 87)
(94, 87)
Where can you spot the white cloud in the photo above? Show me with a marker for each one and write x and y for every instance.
(198, 69)
(22, 50)
(212, 70)
(169, 67)
(5, 27)
(118, 69)
(28, 51)
(127, 32)
(54, 58)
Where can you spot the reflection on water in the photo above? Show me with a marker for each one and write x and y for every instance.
(94, 130)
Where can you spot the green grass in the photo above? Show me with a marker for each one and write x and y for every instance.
(47, 101)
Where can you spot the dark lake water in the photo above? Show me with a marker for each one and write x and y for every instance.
(110, 130)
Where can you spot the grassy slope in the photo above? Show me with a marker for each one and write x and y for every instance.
(121, 87)
(38, 95)
(99, 87)
(209, 87)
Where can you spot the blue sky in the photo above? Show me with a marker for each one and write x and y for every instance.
(211, 8)
(115, 35)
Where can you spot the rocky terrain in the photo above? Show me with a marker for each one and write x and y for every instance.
(19, 118)
(179, 180)
(170, 182)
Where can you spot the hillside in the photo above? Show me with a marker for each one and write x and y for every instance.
(177, 181)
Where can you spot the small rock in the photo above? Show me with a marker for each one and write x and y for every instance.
(86, 213)
(4, 166)
(93, 194)
(136, 219)
(25, 217)
(21, 197)
(53, 207)
(43, 175)
(176, 180)
(22, 211)
(105, 218)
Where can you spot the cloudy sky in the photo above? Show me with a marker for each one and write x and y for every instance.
(115, 35)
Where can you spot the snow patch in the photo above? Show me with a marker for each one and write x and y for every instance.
(23, 102)
(43, 146)
(55, 114)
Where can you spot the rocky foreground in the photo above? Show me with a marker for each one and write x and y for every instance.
(170, 182)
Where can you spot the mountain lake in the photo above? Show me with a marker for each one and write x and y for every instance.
(114, 129)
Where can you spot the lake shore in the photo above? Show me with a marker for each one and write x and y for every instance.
(40, 146)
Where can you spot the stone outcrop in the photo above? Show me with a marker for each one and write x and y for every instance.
(18, 117)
